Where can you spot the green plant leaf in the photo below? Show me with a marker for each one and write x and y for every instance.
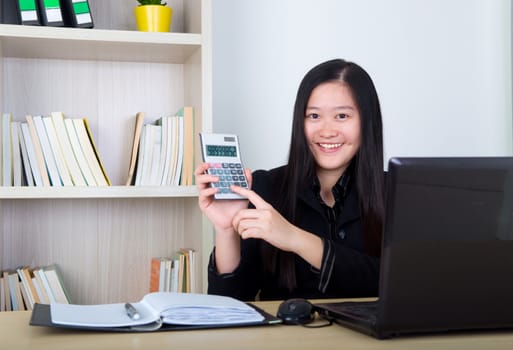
(151, 2)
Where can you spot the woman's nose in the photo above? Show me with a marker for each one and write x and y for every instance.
(328, 129)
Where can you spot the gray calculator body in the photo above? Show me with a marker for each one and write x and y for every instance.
(222, 152)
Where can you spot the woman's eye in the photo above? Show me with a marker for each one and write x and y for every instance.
(313, 116)
(342, 116)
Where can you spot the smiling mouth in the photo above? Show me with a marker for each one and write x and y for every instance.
(329, 145)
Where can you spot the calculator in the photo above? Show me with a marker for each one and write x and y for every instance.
(222, 152)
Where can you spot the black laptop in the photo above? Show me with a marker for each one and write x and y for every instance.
(447, 255)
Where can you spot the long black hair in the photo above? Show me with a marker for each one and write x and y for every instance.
(368, 162)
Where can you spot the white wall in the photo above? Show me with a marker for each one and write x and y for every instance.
(442, 69)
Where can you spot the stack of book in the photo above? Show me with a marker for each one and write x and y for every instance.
(49, 151)
(163, 151)
(20, 289)
(174, 274)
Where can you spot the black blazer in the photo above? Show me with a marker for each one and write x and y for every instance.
(346, 271)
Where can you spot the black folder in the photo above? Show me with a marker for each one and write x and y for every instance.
(19, 12)
(50, 13)
(77, 13)
(41, 316)
(155, 311)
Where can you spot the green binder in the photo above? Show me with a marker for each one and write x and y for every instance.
(77, 13)
(28, 12)
(19, 12)
(50, 13)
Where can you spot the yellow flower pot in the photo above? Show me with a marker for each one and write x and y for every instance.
(153, 18)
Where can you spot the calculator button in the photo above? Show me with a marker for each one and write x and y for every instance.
(228, 174)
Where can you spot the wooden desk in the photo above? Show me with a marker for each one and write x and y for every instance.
(15, 333)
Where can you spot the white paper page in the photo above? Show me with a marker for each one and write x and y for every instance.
(201, 309)
(103, 315)
(173, 308)
(181, 315)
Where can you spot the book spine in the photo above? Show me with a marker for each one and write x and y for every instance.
(7, 292)
(89, 152)
(64, 144)
(77, 13)
(79, 153)
(27, 168)
(155, 275)
(58, 156)
(53, 172)
(38, 150)
(17, 166)
(28, 12)
(6, 150)
(50, 13)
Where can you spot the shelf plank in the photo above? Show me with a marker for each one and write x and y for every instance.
(97, 192)
(97, 44)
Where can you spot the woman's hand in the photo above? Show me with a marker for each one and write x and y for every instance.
(219, 212)
(265, 222)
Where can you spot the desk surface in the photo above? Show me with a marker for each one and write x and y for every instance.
(15, 333)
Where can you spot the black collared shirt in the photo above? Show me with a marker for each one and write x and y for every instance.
(339, 191)
(333, 214)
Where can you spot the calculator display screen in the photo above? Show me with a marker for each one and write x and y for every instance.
(221, 151)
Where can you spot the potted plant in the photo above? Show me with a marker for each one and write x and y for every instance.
(153, 16)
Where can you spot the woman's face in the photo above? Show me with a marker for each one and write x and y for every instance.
(332, 127)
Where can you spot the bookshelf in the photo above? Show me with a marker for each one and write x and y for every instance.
(103, 239)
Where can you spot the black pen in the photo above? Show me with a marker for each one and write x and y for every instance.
(131, 311)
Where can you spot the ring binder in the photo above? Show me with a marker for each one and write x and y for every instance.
(50, 13)
(28, 12)
(19, 12)
(77, 13)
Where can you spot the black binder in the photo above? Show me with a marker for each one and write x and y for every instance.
(19, 12)
(77, 13)
(41, 316)
(50, 13)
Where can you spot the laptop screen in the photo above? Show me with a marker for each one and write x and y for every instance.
(447, 260)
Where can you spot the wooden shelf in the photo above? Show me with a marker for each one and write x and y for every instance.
(97, 44)
(97, 192)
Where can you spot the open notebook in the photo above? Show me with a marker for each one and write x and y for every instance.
(156, 311)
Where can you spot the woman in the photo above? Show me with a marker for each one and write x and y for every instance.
(313, 227)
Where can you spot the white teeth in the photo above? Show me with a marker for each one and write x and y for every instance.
(330, 145)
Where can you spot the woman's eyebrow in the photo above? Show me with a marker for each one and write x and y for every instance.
(344, 107)
(335, 108)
